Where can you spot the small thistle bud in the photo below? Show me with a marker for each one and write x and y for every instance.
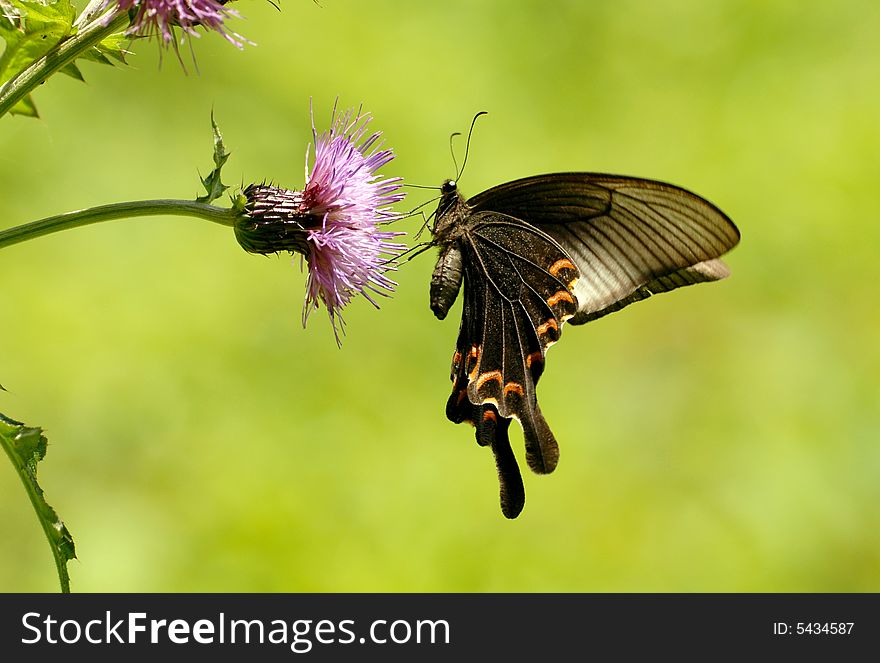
(334, 222)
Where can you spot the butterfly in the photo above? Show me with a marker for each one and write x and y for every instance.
(535, 253)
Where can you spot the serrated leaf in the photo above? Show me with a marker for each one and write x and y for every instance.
(26, 446)
(94, 55)
(108, 50)
(72, 70)
(25, 107)
(113, 47)
(33, 31)
(212, 183)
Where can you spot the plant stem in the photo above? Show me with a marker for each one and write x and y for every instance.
(53, 224)
(18, 87)
(52, 526)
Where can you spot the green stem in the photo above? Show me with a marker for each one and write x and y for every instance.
(29, 480)
(18, 87)
(54, 224)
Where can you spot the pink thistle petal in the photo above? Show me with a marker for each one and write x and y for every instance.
(335, 221)
(158, 18)
(348, 255)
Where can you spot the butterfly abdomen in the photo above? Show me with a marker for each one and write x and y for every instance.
(446, 280)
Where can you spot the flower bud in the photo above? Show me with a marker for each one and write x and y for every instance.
(274, 221)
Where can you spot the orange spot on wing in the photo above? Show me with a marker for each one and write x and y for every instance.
(550, 324)
(489, 415)
(562, 295)
(456, 364)
(473, 356)
(559, 265)
(535, 356)
(486, 377)
(514, 387)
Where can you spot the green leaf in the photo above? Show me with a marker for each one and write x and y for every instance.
(31, 29)
(95, 55)
(212, 183)
(112, 47)
(8, 13)
(108, 50)
(26, 107)
(26, 447)
(72, 70)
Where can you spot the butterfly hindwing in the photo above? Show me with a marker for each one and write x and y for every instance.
(514, 309)
(491, 428)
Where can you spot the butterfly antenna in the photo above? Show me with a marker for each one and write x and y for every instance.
(467, 147)
(452, 152)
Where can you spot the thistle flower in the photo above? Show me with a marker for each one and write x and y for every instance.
(335, 221)
(159, 17)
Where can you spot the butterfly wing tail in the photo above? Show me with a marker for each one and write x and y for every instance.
(542, 451)
(492, 431)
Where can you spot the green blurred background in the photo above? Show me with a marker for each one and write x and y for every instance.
(720, 438)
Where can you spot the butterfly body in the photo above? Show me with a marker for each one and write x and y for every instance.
(449, 229)
(532, 254)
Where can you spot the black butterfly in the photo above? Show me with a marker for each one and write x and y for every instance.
(541, 251)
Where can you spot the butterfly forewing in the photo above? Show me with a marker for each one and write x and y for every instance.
(629, 237)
